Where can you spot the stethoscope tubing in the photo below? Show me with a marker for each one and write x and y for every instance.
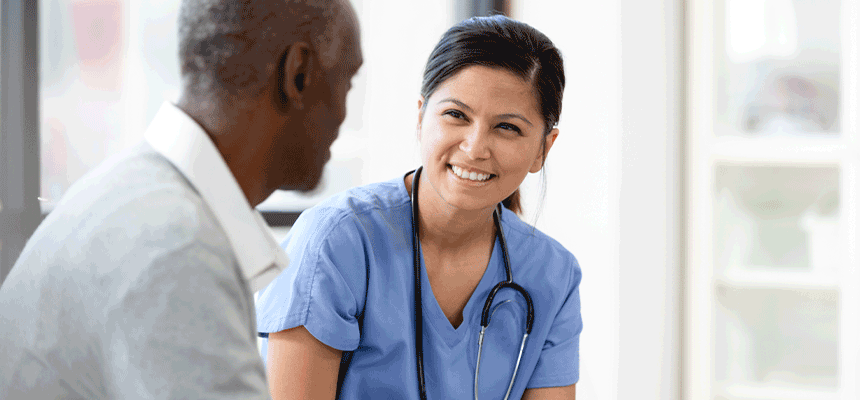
(485, 314)
(416, 254)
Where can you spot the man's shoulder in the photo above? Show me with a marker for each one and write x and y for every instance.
(135, 171)
(137, 175)
(133, 199)
(130, 236)
(132, 212)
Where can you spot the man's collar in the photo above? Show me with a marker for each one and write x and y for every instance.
(187, 146)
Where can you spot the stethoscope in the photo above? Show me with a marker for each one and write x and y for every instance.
(485, 315)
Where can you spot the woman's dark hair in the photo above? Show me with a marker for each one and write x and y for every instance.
(501, 42)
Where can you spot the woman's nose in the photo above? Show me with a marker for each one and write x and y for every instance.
(476, 143)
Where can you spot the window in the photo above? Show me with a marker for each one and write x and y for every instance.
(106, 67)
(773, 185)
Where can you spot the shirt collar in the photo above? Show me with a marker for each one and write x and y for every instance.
(186, 145)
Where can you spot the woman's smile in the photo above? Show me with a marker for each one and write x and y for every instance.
(470, 176)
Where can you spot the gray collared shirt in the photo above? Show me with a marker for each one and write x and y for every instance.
(133, 287)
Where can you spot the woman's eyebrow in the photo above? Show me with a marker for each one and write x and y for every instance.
(457, 102)
(469, 109)
(516, 116)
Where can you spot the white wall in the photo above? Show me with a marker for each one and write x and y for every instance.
(614, 184)
(581, 208)
(396, 45)
(650, 206)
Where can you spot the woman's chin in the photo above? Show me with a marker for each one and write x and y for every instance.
(468, 203)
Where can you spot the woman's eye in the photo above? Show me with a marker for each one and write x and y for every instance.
(510, 127)
(455, 114)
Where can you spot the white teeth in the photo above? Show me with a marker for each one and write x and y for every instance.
(473, 176)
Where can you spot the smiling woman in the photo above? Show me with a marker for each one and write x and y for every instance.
(348, 318)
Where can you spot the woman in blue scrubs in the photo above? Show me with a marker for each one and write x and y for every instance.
(340, 321)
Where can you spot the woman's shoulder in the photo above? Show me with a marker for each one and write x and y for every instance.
(355, 206)
(538, 248)
(374, 196)
(528, 233)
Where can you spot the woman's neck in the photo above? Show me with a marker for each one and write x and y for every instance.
(446, 227)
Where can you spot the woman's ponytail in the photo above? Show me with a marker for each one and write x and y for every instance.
(513, 202)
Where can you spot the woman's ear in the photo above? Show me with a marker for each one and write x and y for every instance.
(297, 74)
(549, 140)
(420, 115)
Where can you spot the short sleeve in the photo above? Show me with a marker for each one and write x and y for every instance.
(184, 329)
(558, 364)
(324, 287)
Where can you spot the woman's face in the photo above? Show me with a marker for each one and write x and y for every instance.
(480, 135)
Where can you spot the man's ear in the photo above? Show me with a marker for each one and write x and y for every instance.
(549, 140)
(296, 69)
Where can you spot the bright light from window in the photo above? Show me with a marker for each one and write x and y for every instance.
(760, 29)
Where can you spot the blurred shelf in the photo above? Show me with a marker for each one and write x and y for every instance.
(772, 185)
(778, 392)
(780, 150)
(770, 278)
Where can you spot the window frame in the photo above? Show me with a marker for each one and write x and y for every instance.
(469, 8)
(20, 212)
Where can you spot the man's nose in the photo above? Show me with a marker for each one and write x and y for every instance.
(476, 143)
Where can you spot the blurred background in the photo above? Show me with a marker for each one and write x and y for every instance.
(706, 175)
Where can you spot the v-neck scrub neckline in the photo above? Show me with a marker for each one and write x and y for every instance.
(437, 319)
(350, 284)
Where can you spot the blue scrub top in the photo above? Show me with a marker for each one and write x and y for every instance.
(350, 283)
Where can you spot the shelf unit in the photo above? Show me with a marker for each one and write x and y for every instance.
(772, 288)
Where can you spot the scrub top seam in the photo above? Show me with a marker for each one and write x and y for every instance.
(571, 285)
(520, 229)
(343, 213)
(317, 256)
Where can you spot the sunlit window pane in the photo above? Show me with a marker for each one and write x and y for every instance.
(96, 97)
(779, 73)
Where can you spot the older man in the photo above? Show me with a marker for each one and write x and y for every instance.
(140, 283)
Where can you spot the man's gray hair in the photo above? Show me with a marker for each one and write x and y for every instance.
(231, 46)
